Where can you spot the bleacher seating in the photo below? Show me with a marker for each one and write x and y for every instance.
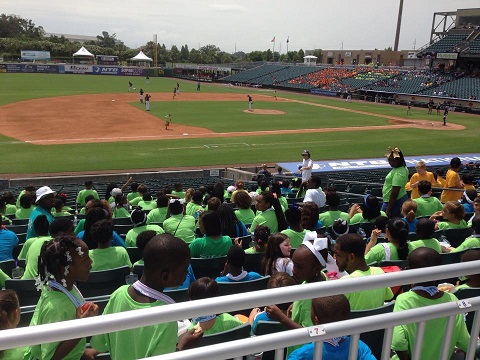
(462, 88)
(447, 44)
(251, 75)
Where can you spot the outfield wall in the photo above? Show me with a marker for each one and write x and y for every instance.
(79, 69)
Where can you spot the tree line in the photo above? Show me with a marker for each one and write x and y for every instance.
(18, 34)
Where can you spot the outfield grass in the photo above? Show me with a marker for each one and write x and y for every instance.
(21, 158)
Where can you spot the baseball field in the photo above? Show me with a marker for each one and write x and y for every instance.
(86, 123)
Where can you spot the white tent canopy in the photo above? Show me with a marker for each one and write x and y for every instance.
(83, 52)
(141, 57)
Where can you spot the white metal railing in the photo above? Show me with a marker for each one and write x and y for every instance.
(137, 318)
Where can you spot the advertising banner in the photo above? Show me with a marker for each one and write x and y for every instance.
(34, 55)
(105, 70)
(50, 69)
(323, 92)
(78, 69)
(132, 71)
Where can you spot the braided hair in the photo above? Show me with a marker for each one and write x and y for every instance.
(54, 255)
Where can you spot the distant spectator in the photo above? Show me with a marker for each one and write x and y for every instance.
(82, 194)
(314, 192)
(393, 191)
(26, 206)
(426, 203)
(233, 271)
(213, 243)
(178, 224)
(452, 181)
(421, 174)
(8, 241)
(295, 231)
(159, 214)
(139, 221)
(271, 214)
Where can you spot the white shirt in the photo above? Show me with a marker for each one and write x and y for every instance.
(307, 174)
(317, 196)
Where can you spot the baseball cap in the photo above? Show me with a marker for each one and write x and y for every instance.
(115, 192)
(306, 152)
(231, 188)
(42, 192)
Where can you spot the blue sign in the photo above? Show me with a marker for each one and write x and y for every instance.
(51, 69)
(323, 92)
(378, 163)
(105, 70)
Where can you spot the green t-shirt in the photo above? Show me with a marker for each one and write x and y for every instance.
(131, 238)
(267, 218)
(430, 243)
(136, 200)
(396, 177)
(181, 226)
(22, 213)
(82, 194)
(28, 243)
(14, 354)
(132, 196)
(192, 208)
(157, 215)
(31, 259)
(368, 299)
(61, 213)
(245, 215)
(404, 335)
(55, 306)
(147, 205)
(80, 227)
(328, 217)
(283, 203)
(296, 238)
(469, 243)
(223, 322)
(120, 213)
(136, 343)
(109, 258)
(252, 250)
(426, 206)
(358, 218)
(10, 209)
(445, 225)
(180, 194)
(17, 204)
(377, 253)
(206, 247)
(3, 277)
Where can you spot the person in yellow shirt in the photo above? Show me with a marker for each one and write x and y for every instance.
(421, 174)
(452, 181)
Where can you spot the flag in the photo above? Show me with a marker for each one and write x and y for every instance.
(288, 40)
(273, 40)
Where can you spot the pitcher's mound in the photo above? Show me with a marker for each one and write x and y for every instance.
(264, 112)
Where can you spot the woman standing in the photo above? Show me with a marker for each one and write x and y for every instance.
(394, 193)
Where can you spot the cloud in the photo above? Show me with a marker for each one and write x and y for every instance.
(228, 8)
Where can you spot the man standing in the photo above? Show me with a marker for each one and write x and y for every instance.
(198, 86)
(45, 198)
(445, 114)
(349, 254)
(168, 120)
(141, 96)
(147, 102)
(307, 165)
(250, 103)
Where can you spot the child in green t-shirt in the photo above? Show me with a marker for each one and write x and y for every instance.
(9, 319)
(205, 288)
(61, 263)
(473, 281)
(147, 293)
(452, 216)
(260, 240)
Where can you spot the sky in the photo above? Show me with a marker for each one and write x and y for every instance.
(246, 25)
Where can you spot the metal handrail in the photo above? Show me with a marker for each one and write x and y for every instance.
(137, 318)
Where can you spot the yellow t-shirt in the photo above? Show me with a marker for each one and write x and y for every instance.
(417, 177)
(451, 179)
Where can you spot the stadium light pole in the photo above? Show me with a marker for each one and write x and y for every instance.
(399, 24)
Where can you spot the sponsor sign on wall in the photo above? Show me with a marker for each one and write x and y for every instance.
(105, 70)
(323, 92)
(449, 56)
(380, 163)
(78, 69)
(51, 69)
(132, 71)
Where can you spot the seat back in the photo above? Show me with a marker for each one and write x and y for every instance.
(103, 282)
(265, 328)
(122, 221)
(208, 267)
(237, 287)
(20, 221)
(179, 295)
(465, 293)
(7, 266)
(18, 229)
(26, 315)
(238, 333)
(245, 241)
(456, 236)
(453, 257)
(25, 289)
(253, 262)
(134, 254)
(374, 339)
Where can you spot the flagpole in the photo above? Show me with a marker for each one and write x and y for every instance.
(288, 40)
(273, 50)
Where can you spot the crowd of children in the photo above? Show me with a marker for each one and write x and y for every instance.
(301, 243)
